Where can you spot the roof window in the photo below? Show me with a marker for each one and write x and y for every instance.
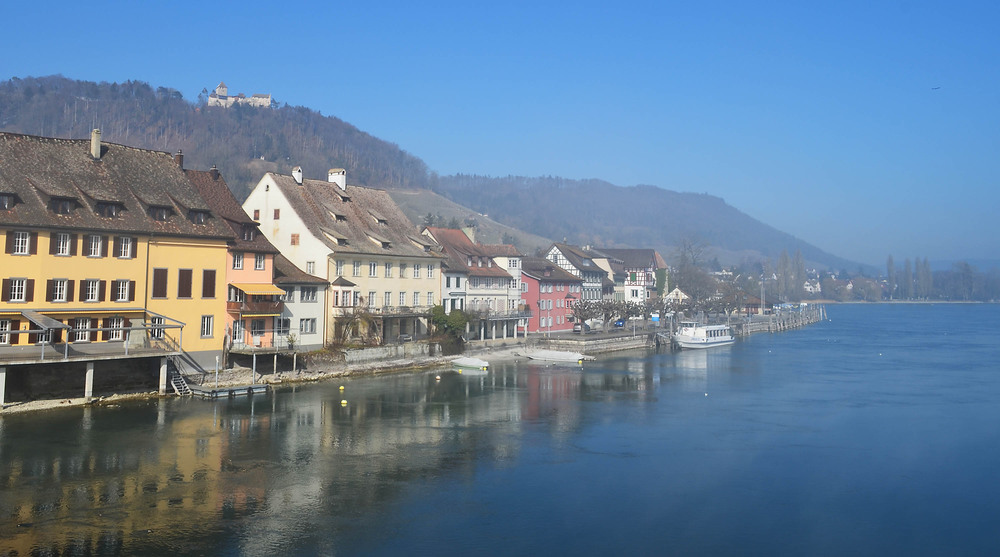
(7, 201)
(108, 209)
(160, 212)
(197, 217)
(62, 205)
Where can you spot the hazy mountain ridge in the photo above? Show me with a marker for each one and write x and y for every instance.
(245, 142)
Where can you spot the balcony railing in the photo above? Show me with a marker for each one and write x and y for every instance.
(255, 308)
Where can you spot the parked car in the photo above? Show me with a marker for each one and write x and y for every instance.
(404, 338)
(576, 328)
(619, 324)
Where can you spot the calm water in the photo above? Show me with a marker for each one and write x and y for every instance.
(874, 433)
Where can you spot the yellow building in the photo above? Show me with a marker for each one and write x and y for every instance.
(109, 254)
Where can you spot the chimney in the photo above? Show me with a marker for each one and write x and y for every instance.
(297, 174)
(95, 144)
(338, 176)
(213, 171)
(179, 158)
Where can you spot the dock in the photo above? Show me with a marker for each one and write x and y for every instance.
(231, 391)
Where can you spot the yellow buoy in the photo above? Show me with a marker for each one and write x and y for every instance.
(343, 403)
(341, 387)
(437, 377)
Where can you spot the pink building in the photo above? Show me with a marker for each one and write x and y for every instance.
(253, 303)
(550, 292)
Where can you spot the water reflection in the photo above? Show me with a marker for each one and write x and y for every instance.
(301, 464)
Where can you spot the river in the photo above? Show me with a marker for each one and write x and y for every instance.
(873, 433)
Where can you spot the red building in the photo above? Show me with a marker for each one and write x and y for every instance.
(550, 292)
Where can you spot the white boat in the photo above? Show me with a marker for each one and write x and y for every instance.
(694, 335)
(470, 363)
(558, 356)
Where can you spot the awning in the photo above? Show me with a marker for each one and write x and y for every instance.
(43, 321)
(259, 289)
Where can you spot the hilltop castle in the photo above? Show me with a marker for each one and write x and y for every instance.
(220, 97)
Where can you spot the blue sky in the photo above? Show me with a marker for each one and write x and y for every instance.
(867, 129)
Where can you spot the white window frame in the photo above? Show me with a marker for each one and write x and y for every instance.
(430, 271)
(310, 267)
(307, 326)
(416, 270)
(430, 298)
(371, 298)
(207, 326)
(416, 299)
(259, 262)
(340, 268)
(122, 294)
(62, 243)
(387, 299)
(237, 260)
(117, 326)
(59, 290)
(402, 298)
(81, 324)
(22, 243)
(156, 331)
(307, 294)
(372, 269)
(4, 331)
(402, 270)
(357, 268)
(124, 247)
(95, 245)
(91, 290)
(18, 290)
(388, 269)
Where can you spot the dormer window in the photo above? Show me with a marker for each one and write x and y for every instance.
(6, 201)
(341, 241)
(62, 205)
(386, 245)
(159, 212)
(109, 210)
(197, 217)
(248, 232)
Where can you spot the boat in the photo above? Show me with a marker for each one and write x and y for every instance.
(691, 334)
(558, 356)
(470, 363)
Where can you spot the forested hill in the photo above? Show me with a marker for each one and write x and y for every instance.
(245, 142)
(603, 214)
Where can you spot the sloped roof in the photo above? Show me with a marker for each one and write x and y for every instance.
(501, 250)
(36, 169)
(212, 187)
(635, 258)
(579, 257)
(459, 249)
(315, 201)
(536, 267)
(285, 272)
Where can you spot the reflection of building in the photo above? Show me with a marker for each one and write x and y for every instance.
(111, 253)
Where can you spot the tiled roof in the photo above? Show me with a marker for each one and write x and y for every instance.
(285, 272)
(367, 214)
(459, 249)
(536, 267)
(212, 187)
(38, 169)
(634, 258)
(501, 250)
(577, 257)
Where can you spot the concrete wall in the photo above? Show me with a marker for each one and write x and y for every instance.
(392, 352)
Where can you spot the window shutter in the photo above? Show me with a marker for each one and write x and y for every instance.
(50, 285)
(9, 248)
(33, 243)
(15, 326)
(104, 246)
(114, 291)
(93, 334)
(131, 290)
(5, 291)
(69, 290)
(135, 247)
(101, 286)
(32, 338)
(29, 290)
(72, 244)
(208, 283)
(53, 242)
(105, 323)
(117, 246)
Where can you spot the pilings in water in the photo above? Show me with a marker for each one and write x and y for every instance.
(781, 320)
